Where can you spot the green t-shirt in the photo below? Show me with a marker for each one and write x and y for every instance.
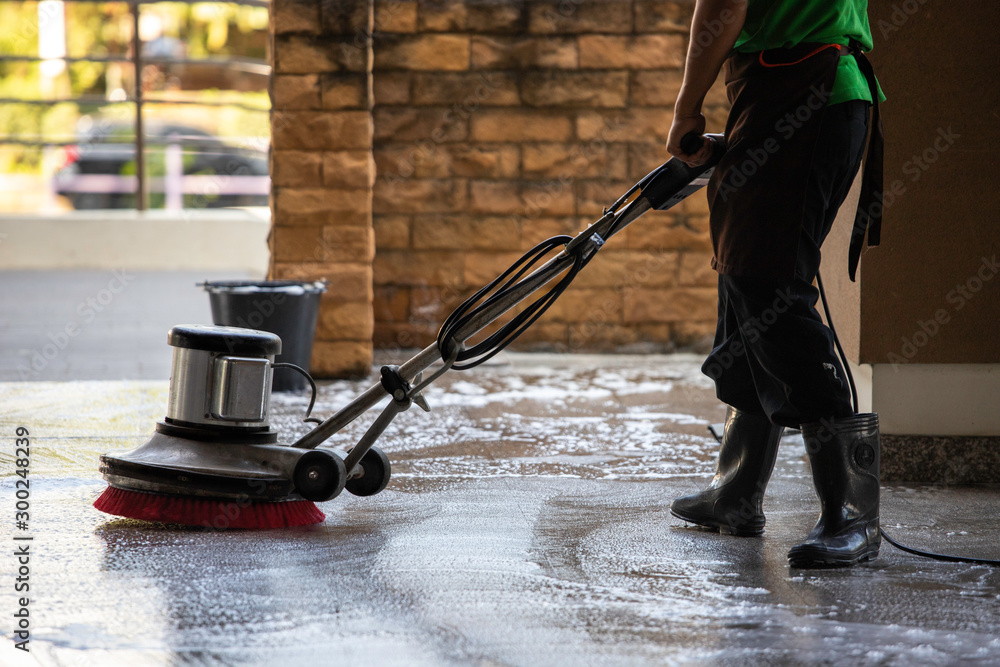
(775, 24)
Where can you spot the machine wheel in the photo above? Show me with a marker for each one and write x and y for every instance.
(319, 475)
(377, 471)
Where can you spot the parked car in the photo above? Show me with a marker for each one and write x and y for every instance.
(99, 171)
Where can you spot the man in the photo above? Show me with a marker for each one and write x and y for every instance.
(796, 79)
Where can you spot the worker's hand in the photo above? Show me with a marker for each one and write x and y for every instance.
(680, 127)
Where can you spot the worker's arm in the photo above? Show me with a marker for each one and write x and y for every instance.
(714, 30)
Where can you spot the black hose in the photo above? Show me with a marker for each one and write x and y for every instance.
(312, 385)
(497, 291)
(854, 399)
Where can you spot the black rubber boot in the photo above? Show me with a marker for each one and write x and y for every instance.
(733, 501)
(844, 455)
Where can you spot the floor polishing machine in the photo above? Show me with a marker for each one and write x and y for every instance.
(215, 460)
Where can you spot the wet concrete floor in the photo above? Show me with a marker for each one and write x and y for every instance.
(526, 523)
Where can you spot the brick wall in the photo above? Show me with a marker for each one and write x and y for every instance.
(498, 124)
(419, 147)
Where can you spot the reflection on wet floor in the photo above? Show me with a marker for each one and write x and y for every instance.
(526, 523)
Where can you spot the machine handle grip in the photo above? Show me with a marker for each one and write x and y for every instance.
(691, 143)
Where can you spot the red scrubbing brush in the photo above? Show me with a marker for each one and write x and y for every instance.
(206, 512)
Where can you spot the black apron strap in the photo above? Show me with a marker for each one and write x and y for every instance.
(869, 215)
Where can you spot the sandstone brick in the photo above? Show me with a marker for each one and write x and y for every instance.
(428, 52)
(295, 17)
(656, 87)
(640, 124)
(391, 304)
(296, 168)
(594, 129)
(317, 130)
(632, 52)
(520, 125)
(293, 92)
(496, 197)
(558, 16)
(566, 88)
(644, 157)
(574, 160)
(344, 91)
(469, 90)
(694, 336)
(660, 16)
(478, 161)
(299, 201)
(653, 232)
(587, 305)
(593, 196)
(645, 268)
(523, 200)
(353, 282)
(292, 209)
(432, 125)
(606, 269)
(412, 161)
(653, 337)
(696, 204)
(698, 223)
(395, 16)
(406, 267)
(433, 304)
(523, 53)
(543, 336)
(297, 244)
(348, 244)
(392, 87)
(419, 196)
(670, 305)
(546, 199)
(306, 54)
(480, 268)
(715, 118)
(408, 336)
(346, 17)
(696, 269)
(495, 16)
(341, 359)
(392, 231)
(457, 232)
(441, 16)
(600, 337)
(539, 229)
(348, 169)
(344, 321)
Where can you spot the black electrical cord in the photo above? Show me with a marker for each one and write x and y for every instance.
(312, 385)
(854, 399)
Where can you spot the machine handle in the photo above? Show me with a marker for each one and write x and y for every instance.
(692, 142)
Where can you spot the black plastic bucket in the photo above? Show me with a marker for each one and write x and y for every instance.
(287, 308)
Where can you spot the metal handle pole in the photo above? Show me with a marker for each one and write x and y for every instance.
(425, 359)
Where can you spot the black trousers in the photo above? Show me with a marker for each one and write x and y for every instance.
(772, 354)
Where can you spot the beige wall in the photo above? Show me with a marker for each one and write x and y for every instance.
(924, 316)
(931, 293)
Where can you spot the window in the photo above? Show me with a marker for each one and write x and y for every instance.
(73, 120)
